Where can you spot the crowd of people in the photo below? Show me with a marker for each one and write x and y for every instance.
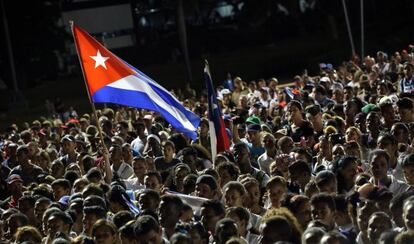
(328, 159)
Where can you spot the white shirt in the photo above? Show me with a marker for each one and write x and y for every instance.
(264, 162)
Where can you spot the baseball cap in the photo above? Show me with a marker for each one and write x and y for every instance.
(368, 108)
(64, 200)
(253, 120)
(14, 178)
(253, 128)
(208, 180)
(68, 138)
(225, 92)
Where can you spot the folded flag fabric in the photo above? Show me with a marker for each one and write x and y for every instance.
(111, 80)
(218, 135)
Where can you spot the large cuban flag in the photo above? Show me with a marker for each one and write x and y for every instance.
(112, 80)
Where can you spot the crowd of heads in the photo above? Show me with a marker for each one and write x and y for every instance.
(325, 159)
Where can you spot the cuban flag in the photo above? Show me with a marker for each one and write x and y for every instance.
(218, 135)
(111, 80)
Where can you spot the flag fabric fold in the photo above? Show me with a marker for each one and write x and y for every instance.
(218, 135)
(109, 79)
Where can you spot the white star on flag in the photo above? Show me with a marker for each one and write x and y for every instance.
(99, 60)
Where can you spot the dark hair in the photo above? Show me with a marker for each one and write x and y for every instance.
(127, 230)
(118, 195)
(65, 217)
(408, 160)
(231, 168)
(156, 174)
(303, 152)
(338, 236)
(295, 201)
(378, 152)
(175, 200)
(100, 212)
(71, 176)
(241, 213)
(94, 200)
(145, 224)
(235, 185)
(122, 217)
(295, 103)
(338, 166)
(216, 206)
(27, 198)
(104, 223)
(21, 217)
(180, 238)
(324, 198)
(299, 166)
(62, 183)
(94, 173)
(341, 203)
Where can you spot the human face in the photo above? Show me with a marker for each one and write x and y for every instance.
(88, 221)
(253, 195)
(349, 172)
(376, 226)
(241, 224)
(408, 216)
(39, 210)
(115, 154)
(151, 182)
(373, 122)
(330, 187)
(268, 142)
(224, 177)
(294, 114)
(140, 167)
(233, 198)
(351, 135)
(379, 167)
(127, 153)
(168, 214)
(276, 194)
(55, 225)
(254, 136)
(409, 174)
(146, 202)
(321, 211)
(203, 190)
(68, 146)
(168, 151)
(209, 219)
(303, 214)
(363, 215)
(104, 235)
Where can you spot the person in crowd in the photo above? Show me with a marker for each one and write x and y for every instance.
(328, 159)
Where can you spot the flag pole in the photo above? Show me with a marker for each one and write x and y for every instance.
(108, 171)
